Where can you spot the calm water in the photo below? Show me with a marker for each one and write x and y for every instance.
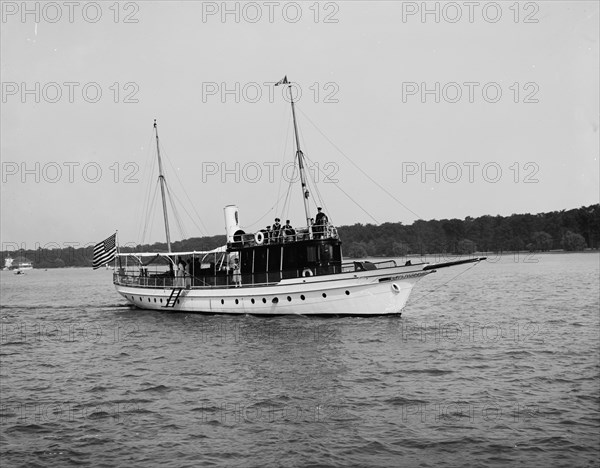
(497, 367)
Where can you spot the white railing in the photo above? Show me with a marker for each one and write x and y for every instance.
(284, 236)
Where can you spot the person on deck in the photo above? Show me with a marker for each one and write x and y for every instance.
(288, 231)
(180, 273)
(237, 277)
(311, 229)
(276, 235)
(321, 221)
(187, 273)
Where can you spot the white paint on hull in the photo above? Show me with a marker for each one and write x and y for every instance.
(366, 293)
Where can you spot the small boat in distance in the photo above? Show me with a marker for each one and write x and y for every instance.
(18, 263)
(282, 271)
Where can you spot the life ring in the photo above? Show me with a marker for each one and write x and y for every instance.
(307, 272)
(259, 238)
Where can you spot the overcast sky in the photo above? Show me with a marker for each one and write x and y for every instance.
(462, 111)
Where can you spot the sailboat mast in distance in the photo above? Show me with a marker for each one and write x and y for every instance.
(162, 181)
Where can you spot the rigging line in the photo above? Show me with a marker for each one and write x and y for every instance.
(287, 134)
(174, 195)
(204, 229)
(262, 217)
(164, 153)
(363, 172)
(444, 284)
(144, 196)
(149, 212)
(146, 215)
(314, 182)
(321, 199)
(177, 218)
(176, 214)
(288, 201)
(288, 209)
(153, 211)
(146, 208)
(316, 189)
(356, 203)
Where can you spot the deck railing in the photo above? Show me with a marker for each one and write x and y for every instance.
(284, 236)
(133, 277)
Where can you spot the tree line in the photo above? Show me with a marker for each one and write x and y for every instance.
(571, 230)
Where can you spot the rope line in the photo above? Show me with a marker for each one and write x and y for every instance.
(357, 167)
(444, 284)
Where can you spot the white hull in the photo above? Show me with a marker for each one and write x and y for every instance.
(374, 292)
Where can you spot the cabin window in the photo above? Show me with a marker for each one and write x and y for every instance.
(326, 253)
(260, 260)
(246, 262)
(311, 253)
(337, 253)
(290, 260)
(274, 259)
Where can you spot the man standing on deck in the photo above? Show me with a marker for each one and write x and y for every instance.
(276, 230)
(321, 221)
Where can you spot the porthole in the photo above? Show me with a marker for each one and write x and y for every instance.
(324, 295)
(302, 297)
(178, 301)
(148, 299)
(222, 301)
(264, 301)
(275, 300)
(140, 298)
(154, 299)
(252, 300)
(161, 300)
(237, 301)
(289, 299)
(347, 293)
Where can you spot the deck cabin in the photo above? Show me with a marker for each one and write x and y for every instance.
(262, 260)
(270, 258)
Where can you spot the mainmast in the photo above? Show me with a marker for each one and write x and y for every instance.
(300, 156)
(162, 181)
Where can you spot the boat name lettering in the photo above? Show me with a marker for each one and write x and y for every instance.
(408, 275)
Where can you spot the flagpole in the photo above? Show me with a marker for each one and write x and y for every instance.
(118, 250)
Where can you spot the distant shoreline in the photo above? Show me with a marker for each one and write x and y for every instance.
(411, 256)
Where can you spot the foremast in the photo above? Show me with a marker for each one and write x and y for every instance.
(162, 181)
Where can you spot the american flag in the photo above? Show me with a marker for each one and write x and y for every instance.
(104, 251)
